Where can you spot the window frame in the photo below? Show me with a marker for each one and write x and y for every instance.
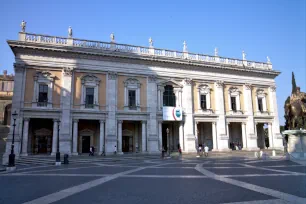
(204, 89)
(235, 93)
(43, 78)
(260, 94)
(170, 97)
(132, 84)
(90, 81)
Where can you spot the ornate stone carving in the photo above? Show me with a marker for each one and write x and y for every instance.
(273, 88)
(112, 75)
(243, 55)
(150, 42)
(216, 52)
(132, 81)
(112, 37)
(268, 60)
(185, 47)
(188, 81)
(23, 26)
(68, 71)
(233, 89)
(120, 121)
(43, 75)
(90, 78)
(248, 86)
(260, 92)
(152, 78)
(204, 88)
(70, 32)
(220, 84)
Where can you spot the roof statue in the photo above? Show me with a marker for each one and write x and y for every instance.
(70, 32)
(23, 26)
(268, 60)
(243, 55)
(112, 37)
(216, 52)
(151, 42)
(185, 46)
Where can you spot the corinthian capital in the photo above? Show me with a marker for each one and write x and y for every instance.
(152, 78)
(112, 75)
(188, 81)
(19, 67)
(68, 71)
(219, 84)
(248, 86)
(273, 88)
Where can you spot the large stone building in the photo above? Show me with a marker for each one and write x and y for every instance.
(136, 99)
(6, 94)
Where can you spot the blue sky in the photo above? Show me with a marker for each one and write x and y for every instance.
(275, 28)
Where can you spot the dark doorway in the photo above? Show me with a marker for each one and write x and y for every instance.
(42, 145)
(127, 144)
(85, 144)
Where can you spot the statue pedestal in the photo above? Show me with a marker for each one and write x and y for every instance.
(296, 143)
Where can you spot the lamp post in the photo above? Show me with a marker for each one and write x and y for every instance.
(58, 154)
(12, 155)
(167, 131)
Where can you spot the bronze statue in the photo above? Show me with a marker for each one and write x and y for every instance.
(295, 108)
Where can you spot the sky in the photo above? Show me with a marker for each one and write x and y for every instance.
(274, 28)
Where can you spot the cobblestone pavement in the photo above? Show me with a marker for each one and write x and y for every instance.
(149, 179)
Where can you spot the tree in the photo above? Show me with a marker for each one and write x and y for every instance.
(293, 83)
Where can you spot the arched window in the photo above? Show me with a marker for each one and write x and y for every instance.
(7, 115)
(169, 96)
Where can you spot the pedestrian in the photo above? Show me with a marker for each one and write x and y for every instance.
(115, 149)
(200, 150)
(90, 151)
(93, 150)
(163, 153)
(206, 150)
(179, 149)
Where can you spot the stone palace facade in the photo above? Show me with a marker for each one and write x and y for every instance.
(112, 96)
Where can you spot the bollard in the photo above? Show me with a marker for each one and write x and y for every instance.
(273, 153)
(255, 154)
(260, 153)
(66, 161)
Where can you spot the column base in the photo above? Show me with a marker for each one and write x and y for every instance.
(74, 154)
(120, 153)
(222, 150)
(24, 154)
(53, 153)
(58, 163)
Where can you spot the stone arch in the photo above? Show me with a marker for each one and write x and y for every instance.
(7, 114)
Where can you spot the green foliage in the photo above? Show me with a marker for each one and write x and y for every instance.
(282, 128)
(293, 83)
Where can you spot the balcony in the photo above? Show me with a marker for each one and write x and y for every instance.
(205, 111)
(113, 47)
(262, 113)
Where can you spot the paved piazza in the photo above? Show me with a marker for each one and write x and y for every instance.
(149, 179)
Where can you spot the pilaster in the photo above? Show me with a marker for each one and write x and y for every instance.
(111, 122)
(65, 140)
(152, 108)
(187, 104)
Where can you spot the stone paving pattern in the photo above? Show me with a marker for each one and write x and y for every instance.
(150, 179)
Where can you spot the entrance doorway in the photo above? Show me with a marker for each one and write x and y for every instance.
(235, 136)
(85, 144)
(42, 145)
(127, 144)
(170, 140)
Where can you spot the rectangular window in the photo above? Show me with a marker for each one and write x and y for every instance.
(43, 95)
(203, 102)
(260, 104)
(132, 99)
(89, 100)
(233, 103)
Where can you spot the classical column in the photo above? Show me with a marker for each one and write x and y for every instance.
(136, 138)
(143, 136)
(202, 132)
(25, 136)
(271, 145)
(181, 135)
(158, 99)
(244, 139)
(119, 147)
(160, 136)
(227, 129)
(75, 137)
(214, 136)
(55, 137)
(101, 148)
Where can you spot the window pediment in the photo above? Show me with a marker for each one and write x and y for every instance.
(132, 82)
(204, 89)
(234, 90)
(43, 75)
(260, 92)
(170, 82)
(89, 78)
